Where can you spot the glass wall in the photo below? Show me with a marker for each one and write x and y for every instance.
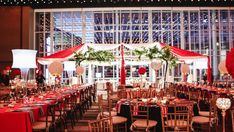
(206, 31)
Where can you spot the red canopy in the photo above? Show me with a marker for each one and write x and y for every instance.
(185, 54)
(181, 54)
(61, 55)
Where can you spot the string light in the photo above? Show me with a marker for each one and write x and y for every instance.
(100, 3)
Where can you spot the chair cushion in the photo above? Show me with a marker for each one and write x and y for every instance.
(143, 123)
(49, 118)
(200, 119)
(39, 125)
(118, 119)
(205, 113)
(113, 113)
(179, 123)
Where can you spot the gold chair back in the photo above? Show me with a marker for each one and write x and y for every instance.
(178, 120)
(102, 125)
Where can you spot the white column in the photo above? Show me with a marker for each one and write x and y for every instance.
(182, 30)
(83, 26)
(152, 76)
(194, 74)
(117, 73)
(103, 73)
(84, 74)
(150, 32)
(230, 30)
(90, 79)
(215, 50)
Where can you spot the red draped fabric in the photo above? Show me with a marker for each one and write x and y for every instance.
(15, 122)
(181, 53)
(122, 72)
(184, 53)
(61, 55)
(230, 62)
(209, 72)
(65, 53)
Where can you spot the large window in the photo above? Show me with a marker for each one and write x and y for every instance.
(205, 31)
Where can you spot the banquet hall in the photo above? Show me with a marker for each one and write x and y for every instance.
(116, 65)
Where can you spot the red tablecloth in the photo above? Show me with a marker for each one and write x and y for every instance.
(20, 121)
(15, 122)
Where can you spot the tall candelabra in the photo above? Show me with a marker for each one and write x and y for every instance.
(223, 104)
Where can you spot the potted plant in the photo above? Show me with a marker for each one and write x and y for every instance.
(169, 59)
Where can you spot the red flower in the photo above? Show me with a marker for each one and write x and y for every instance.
(7, 68)
(142, 70)
(16, 72)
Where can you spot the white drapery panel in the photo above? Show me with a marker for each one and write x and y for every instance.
(117, 63)
(139, 46)
(201, 63)
(100, 63)
(69, 65)
(129, 46)
(103, 46)
(137, 63)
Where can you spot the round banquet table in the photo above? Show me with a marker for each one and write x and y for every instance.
(154, 114)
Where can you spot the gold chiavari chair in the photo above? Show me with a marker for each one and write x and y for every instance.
(109, 107)
(170, 91)
(101, 125)
(134, 94)
(140, 117)
(195, 95)
(160, 94)
(110, 93)
(104, 108)
(112, 97)
(143, 94)
(179, 90)
(116, 120)
(206, 118)
(178, 120)
(122, 94)
(212, 109)
(186, 90)
(153, 93)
